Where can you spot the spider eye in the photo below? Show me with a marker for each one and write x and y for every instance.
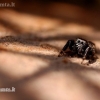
(81, 42)
(78, 41)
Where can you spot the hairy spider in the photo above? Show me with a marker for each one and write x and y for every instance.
(80, 48)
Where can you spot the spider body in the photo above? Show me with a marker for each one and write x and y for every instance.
(80, 48)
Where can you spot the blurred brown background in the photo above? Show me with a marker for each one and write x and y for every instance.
(31, 35)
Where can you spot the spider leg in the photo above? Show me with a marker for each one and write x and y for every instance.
(93, 59)
(68, 44)
(85, 54)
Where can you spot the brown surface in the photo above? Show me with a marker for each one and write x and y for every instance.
(29, 46)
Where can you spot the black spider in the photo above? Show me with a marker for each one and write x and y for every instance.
(80, 48)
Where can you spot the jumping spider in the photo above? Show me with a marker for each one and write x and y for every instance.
(80, 48)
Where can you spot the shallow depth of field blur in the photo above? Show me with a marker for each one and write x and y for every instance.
(32, 33)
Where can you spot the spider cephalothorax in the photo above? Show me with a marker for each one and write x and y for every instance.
(80, 48)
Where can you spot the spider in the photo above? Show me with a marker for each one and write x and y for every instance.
(80, 48)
